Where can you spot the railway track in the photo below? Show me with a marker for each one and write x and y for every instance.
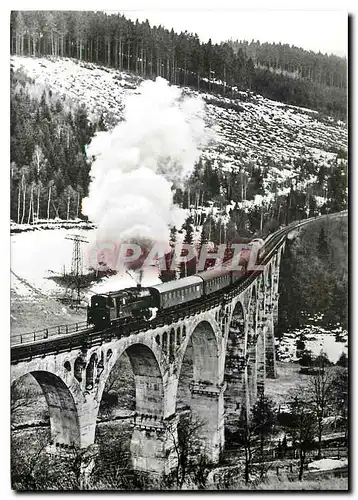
(66, 337)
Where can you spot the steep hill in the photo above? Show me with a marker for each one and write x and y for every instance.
(285, 146)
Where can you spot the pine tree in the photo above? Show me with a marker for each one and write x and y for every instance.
(188, 238)
(301, 426)
(263, 422)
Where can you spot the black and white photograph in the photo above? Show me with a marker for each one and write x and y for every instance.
(179, 249)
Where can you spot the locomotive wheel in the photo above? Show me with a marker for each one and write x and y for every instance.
(146, 314)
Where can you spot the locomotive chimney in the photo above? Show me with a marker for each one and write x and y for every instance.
(139, 284)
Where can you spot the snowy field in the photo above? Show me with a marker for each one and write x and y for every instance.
(317, 339)
(38, 255)
(327, 464)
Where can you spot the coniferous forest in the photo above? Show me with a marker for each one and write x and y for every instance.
(49, 174)
(276, 71)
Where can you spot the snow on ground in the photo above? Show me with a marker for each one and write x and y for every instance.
(328, 464)
(251, 130)
(38, 255)
(317, 339)
(55, 223)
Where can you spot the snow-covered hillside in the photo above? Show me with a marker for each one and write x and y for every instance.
(250, 131)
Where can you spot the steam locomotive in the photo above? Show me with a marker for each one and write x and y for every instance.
(146, 302)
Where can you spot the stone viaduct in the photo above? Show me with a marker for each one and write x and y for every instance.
(231, 343)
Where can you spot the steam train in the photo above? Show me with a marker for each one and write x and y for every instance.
(146, 302)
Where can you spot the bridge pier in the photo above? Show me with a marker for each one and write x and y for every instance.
(252, 369)
(235, 393)
(207, 404)
(270, 361)
(87, 412)
(152, 444)
(260, 361)
(81, 461)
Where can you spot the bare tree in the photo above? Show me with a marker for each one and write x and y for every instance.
(113, 467)
(301, 426)
(27, 400)
(254, 429)
(320, 395)
(32, 468)
(191, 460)
(340, 396)
(263, 423)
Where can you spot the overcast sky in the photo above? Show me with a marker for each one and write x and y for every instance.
(324, 31)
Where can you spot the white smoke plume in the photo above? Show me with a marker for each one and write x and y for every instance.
(136, 164)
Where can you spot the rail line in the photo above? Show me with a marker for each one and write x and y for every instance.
(66, 337)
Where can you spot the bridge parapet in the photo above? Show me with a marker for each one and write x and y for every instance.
(231, 341)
